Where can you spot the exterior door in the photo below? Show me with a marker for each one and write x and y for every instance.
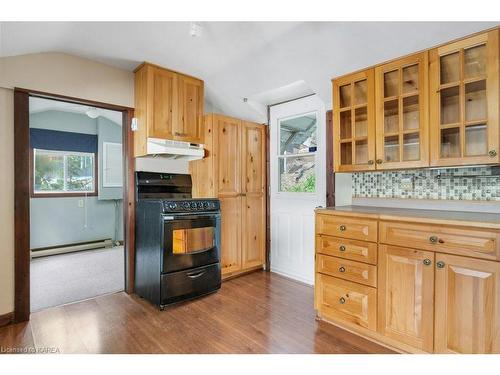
(298, 183)
(467, 305)
(406, 295)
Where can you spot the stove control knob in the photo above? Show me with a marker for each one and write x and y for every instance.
(185, 205)
(193, 205)
(200, 205)
(205, 205)
(172, 206)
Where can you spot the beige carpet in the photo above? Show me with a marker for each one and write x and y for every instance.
(65, 278)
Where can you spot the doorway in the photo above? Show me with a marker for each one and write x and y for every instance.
(298, 184)
(72, 164)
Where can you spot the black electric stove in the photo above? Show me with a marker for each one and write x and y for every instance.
(177, 240)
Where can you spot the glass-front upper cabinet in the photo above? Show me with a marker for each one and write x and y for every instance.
(464, 97)
(354, 122)
(402, 113)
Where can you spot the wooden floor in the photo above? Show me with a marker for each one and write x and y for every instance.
(255, 313)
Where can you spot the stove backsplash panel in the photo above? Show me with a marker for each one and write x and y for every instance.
(466, 184)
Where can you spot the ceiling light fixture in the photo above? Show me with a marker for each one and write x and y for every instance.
(195, 29)
(92, 112)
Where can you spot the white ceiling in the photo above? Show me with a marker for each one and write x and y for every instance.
(238, 59)
(38, 105)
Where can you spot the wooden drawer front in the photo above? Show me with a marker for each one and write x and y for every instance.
(470, 242)
(347, 227)
(349, 249)
(343, 300)
(347, 269)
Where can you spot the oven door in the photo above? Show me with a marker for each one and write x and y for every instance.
(190, 241)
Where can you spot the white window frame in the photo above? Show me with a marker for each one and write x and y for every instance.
(65, 167)
(280, 156)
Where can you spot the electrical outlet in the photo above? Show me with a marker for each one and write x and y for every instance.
(406, 183)
(80, 203)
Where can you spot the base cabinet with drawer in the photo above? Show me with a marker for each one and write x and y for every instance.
(416, 286)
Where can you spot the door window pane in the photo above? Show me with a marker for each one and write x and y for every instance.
(297, 174)
(192, 240)
(298, 134)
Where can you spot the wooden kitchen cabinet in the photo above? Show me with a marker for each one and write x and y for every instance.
(464, 101)
(168, 105)
(354, 122)
(401, 97)
(467, 305)
(406, 295)
(234, 171)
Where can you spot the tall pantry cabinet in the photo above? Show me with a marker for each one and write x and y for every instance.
(233, 170)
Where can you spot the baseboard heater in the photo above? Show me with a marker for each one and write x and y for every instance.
(70, 248)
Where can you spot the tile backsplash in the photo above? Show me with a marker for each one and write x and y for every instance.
(471, 183)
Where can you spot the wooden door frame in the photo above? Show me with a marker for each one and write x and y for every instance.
(22, 162)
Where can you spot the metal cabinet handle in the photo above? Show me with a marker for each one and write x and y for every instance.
(433, 239)
(440, 264)
(342, 228)
(379, 161)
(492, 153)
(341, 269)
(427, 262)
(195, 275)
(180, 134)
(342, 248)
(370, 162)
(342, 300)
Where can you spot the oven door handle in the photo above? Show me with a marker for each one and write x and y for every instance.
(190, 217)
(195, 275)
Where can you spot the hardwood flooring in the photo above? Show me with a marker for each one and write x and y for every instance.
(256, 313)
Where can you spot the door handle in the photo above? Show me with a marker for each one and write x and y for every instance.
(195, 275)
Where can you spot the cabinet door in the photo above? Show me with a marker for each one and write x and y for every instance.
(464, 94)
(467, 305)
(253, 158)
(227, 133)
(354, 122)
(406, 295)
(188, 126)
(230, 234)
(253, 230)
(402, 111)
(164, 87)
(202, 170)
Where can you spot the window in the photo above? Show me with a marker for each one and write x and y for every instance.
(63, 172)
(297, 154)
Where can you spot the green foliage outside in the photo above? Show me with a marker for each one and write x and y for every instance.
(308, 185)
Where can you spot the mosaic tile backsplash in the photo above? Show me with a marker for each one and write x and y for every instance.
(473, 183)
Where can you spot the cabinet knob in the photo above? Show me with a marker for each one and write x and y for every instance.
(342, 269)
(371, 162)
(492, 153)
(342, 248)
(342, 228)
(379, 161)
(440, 264)
(427, 262)
(341, 300)
(433, 239)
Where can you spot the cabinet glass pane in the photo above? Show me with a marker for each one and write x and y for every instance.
(361, 122)
(450, 68)
(410, 79)
(476, 140)
(450, 108)
(411, 146)
(450, 143)
(362, 152)
(346, 153)
(391, 148)
(345, 96)
(360, 93)
(345, 125)
(411, 113)
(391, 83)
(391, 119)
(475, 62)
(475, 101)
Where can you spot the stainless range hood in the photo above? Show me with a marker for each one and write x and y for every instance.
(174, 149)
